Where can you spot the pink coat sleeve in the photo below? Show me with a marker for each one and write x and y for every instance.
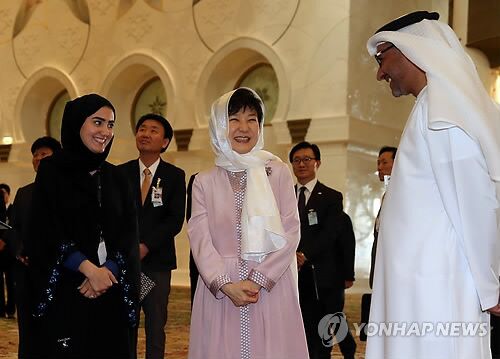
(209, 262)
(276, 263)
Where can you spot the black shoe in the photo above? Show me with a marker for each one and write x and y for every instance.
(10, 316)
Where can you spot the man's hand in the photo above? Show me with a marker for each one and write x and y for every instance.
(143, 250)
(495, 310)
(2, 244)
(100, 278)
(24, 260)
(301, 259)
(348, 284)
(240, 294)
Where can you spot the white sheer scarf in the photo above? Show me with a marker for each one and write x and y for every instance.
(261, 227)
(456, 95)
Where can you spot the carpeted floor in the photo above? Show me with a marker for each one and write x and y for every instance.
(177, 328)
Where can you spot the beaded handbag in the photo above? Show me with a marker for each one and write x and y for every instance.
(147, 285)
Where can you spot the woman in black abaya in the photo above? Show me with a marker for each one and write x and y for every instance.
(83, 249)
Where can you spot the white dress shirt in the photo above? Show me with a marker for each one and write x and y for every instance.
(309, 188)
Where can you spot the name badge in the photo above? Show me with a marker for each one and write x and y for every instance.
(156, 195)
(312, 217)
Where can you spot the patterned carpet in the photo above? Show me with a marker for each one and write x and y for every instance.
(177, 328)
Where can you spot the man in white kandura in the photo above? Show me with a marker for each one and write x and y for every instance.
(438, 255)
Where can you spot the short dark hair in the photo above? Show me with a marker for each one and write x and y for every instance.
(6, 187)
(169, 132)
(243, 98)
(302, 145)
(384, 149)
(46, 141)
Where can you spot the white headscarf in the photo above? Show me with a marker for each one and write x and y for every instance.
(456, 95)
(261, 227)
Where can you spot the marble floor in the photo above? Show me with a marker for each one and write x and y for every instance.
(177, 328)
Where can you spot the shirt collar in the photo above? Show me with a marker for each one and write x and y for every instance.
(152, 168)
(309, 185)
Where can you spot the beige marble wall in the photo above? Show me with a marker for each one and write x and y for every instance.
(199, 49)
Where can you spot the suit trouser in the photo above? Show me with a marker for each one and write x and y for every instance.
(331, 301)
(155, 314)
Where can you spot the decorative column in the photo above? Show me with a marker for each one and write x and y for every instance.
(182, 138)
(298, 129)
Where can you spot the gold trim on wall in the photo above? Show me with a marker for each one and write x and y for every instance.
(136, 99)
(267, 120)
(51, 109)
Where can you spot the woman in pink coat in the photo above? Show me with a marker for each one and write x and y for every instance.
(244, 231)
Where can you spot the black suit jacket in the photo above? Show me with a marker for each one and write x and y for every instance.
(159, 225)
(3, 209)
(20, 218)
(329, 245)
(5, 258)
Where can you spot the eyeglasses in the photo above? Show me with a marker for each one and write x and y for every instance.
(306, 160)
(378, 54)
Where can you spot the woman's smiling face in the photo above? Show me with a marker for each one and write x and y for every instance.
(97, 130)
(243, 130)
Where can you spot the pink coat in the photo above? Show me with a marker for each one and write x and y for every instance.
(276, 327)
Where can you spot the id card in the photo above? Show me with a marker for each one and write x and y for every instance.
(102, 253)
(312, 217)
(156, 195)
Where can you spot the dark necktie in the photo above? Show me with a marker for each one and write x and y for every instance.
(302, 202)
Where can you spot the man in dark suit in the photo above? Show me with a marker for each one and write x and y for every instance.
(160, 191)
(19, 219)
(385, 161)
(7, 304)
(325, 256)
(193, 269)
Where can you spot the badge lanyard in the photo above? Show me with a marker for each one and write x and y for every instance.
(101, 250)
